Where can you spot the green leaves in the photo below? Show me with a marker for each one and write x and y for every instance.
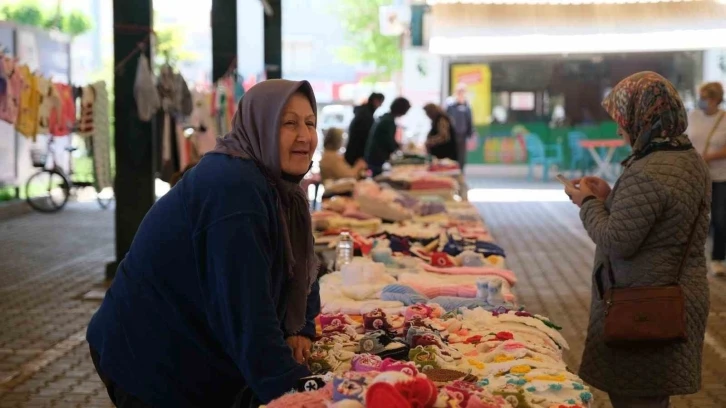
(367, 44)
(31, 13)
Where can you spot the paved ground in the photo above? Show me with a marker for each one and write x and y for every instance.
(47, 263)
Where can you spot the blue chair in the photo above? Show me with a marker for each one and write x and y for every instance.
(579, 157)
(540, 154)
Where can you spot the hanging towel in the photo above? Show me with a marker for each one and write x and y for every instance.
(14, 86)
(101, 137)
(85, 120)
(46, 105)
(62, 120)
(27, 122)
(145, 93)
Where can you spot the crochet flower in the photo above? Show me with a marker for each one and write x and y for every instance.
(520, 369)
(504, 336)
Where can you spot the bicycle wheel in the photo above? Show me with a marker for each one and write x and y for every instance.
(47, 191)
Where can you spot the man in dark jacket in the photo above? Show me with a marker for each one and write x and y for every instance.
(360, 127)
(460, 113)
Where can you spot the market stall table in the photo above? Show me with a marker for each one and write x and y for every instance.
(605, 168)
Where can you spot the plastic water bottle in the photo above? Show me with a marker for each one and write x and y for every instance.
(344, 252)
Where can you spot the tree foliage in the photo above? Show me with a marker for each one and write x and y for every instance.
(367, 44)
(169, 44)
(31, 13)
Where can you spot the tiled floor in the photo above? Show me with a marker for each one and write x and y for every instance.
(47, 263)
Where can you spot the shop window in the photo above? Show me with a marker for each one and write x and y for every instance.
(522, 101)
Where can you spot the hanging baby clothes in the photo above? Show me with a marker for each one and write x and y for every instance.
(101, 137)
(205, 130)
(62, 120)
(224, 104)
(27, 123)
(167, 88)
(44, 108)
(183, 97)
(14, 86)
(145, 92)
(85, 120)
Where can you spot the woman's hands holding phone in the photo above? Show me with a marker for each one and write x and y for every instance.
(599, 187)
(587, 187)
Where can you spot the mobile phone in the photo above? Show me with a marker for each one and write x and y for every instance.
(562, 179)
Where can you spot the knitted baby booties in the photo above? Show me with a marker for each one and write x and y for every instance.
(482, 289)
(470, 258)
(495, 296)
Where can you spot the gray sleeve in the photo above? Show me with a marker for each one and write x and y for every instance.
(637, 203)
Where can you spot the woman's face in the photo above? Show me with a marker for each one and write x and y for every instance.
(707, 103)
(298, 135)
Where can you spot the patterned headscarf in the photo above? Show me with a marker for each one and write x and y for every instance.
(649, 108)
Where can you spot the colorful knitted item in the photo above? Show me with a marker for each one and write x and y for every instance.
(404, 294)
(366, 362)
(314, 399)
(392, 390)
(337, 322)
(483, 271)
(344, 388)
(405, 367)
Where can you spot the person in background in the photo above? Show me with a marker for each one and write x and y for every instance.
(332, 164)
(707, 130)
(382, 140)
(642, 229)
(214, 305)
(459, 111)
(360, 128)
(441, 140)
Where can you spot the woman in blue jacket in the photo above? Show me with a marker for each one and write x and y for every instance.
(213, 299)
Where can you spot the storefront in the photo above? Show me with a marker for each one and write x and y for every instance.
(538, 66)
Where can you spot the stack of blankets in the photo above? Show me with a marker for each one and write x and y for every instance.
(427, 358)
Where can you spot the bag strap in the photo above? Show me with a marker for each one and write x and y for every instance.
(710, 134)
(686, 252)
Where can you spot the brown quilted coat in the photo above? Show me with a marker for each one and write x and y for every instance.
(641, 231)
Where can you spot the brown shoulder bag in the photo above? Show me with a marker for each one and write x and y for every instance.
(649, 314)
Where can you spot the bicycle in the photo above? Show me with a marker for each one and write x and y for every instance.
(59, 184)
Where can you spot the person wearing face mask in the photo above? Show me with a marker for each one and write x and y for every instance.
(707, 131)
(213, 306)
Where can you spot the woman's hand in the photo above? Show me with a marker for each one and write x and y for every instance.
(577, 195)
(300, 346)
(599, 187)
(360, 165)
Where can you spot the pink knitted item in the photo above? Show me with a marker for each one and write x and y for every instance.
(421, 284)
(479, 271)
(432, 184)
(313, 399)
